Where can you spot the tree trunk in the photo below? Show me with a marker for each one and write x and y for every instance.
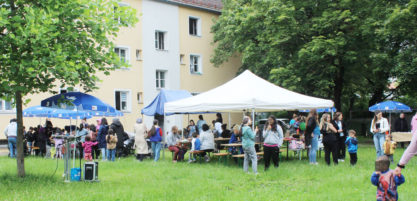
(377, 96)
(338, 88)
(19, 145)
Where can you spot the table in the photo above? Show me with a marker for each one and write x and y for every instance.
(221, 139)
(401, 136)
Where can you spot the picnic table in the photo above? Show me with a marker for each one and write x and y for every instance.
(221, 139)
(401, 136)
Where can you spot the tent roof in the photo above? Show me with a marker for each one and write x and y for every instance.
(247, 91)
(157, 105)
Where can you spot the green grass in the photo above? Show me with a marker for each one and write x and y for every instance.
(129, 180)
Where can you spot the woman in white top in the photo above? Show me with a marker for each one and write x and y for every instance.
(379, 127)
(207, 142)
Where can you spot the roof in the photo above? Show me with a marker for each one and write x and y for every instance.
(209, 5)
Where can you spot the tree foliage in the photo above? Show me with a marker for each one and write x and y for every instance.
(341, 49)
(56, 42)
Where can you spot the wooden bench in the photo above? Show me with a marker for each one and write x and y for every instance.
(223, 155)
(33, 149)
(198, 153)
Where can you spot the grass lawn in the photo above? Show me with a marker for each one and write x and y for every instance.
(127, 179)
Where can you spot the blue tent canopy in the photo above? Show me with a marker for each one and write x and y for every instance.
(79, 101)
(390, 106)
(157, 105)
(39, 111)
(333, 109)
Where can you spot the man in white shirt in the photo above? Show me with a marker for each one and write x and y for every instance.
(11, 135)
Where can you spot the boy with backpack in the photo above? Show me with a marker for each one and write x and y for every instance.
(386, 180)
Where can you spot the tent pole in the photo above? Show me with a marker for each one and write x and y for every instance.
(229, 120)
(253, 119)
(389, 122)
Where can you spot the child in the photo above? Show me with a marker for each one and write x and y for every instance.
(58, 143)
(234, 138)
(352, 144)
(385, 180)
(195, 146)
(389, 148)
(111, 140)
(87, 148)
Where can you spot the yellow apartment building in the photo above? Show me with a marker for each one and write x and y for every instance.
(169, 48)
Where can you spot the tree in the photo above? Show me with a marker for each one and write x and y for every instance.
(331, 49)
(56, 42)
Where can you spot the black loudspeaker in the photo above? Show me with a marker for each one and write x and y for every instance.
(91, 171)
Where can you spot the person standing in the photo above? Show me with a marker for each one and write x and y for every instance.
(11, 135)
(200, 123)
(111, 141)
(379, 127)
(248, 144)
(120, 132)
(411, 149)
(155, 135)
(274, 138)
(352, 144)
(101, 138)
(341, 135)
(401, 125)
(140, 135)
(312, 133)
(329, 139)
(191, 128)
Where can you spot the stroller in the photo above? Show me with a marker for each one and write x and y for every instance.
(128, 142)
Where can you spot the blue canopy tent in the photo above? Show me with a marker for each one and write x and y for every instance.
(321, 110)
(390, 107)
(78, 101)
(164, 96)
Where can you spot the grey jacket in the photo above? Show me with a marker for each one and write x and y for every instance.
(273, 137)
(172, 139)
(207, 140)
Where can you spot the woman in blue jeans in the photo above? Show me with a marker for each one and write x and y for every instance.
(313, 129)
(155, 137)
(101, 138)
(379, 127)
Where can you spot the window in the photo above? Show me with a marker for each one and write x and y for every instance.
(194, 26)
(138, 55)
(160, 79)
(118, 9)
(6, 105)
(69, 89)
(123, 53)
(139, 96)
(160, 40)
(182, 59)
(195, 64)
(122, 100)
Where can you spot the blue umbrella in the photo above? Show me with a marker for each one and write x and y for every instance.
(333, 109)
(391, 107)
(39, 111)
(77, 101)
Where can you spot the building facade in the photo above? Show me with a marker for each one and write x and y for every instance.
(169, 48)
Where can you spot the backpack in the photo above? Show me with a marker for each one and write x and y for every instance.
(303, 126)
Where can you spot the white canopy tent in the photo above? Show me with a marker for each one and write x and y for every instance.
(247, 92)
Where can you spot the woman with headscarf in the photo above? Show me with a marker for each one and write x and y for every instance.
(140, 131)
(117, 127)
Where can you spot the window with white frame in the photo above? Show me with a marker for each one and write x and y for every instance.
(139, 97)
(122, 100)
(160, 40)
(195, 64)
(6, 106)
(123, 53)
(118, 9)
(160, 79)
(194, 26)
